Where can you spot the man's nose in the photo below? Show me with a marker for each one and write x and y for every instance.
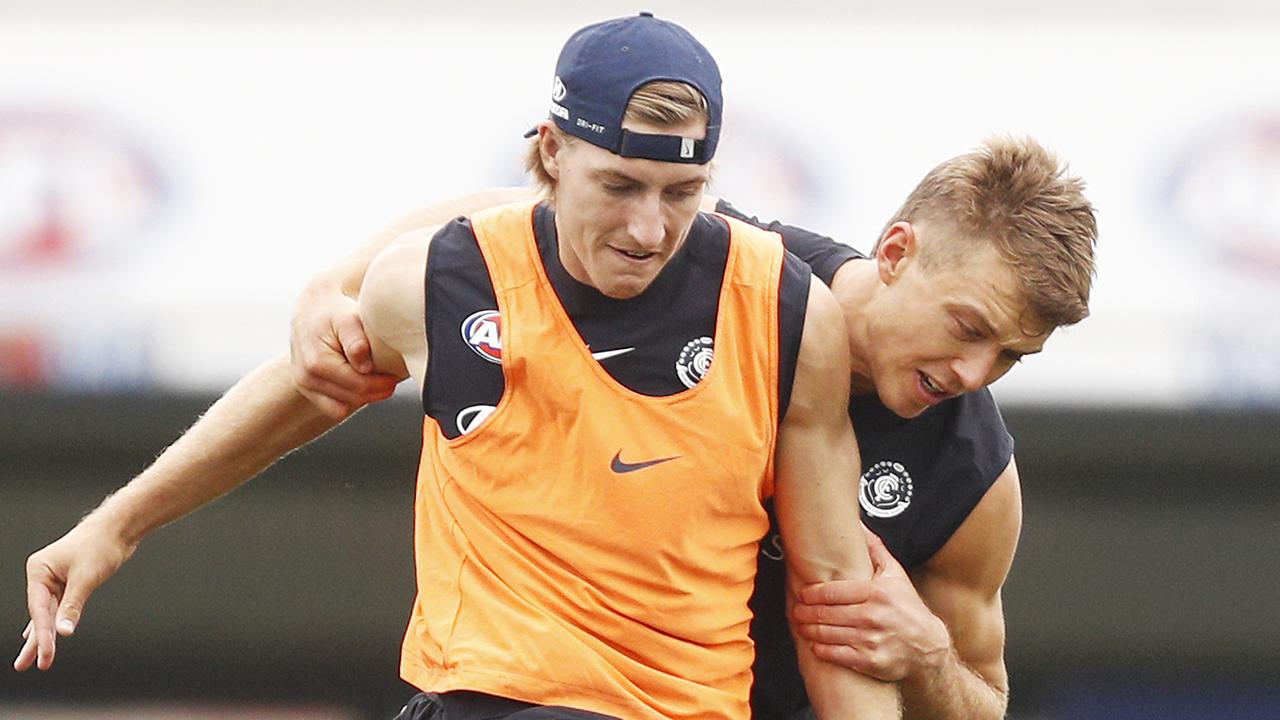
(974, 367)
(646, 226)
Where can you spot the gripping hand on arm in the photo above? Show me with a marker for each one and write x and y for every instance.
(330, 351)
(879, 627)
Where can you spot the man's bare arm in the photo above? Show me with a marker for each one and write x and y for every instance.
(817, 470)
(331, 360)
(939, 632)
(393, 304)
(260, 419)
(961, 585)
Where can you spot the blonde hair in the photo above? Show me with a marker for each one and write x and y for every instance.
(661, 103)
(1016, 195)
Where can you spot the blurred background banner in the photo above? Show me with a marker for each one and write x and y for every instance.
(169, 179)
(171, 174)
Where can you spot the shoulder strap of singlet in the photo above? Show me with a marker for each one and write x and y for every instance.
(506, 237)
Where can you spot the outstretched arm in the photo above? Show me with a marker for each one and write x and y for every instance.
(816, 502)
(259, 420)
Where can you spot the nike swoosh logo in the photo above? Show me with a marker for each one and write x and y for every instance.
(620, 467)
(606, 354)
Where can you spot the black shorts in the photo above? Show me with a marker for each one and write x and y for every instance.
(466, 705)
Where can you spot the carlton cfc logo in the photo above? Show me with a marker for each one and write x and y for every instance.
(885, 489)
(695, 361)
(482, 332)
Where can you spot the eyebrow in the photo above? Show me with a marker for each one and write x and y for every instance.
(616, 176)
(988, 328)
(974, 314)
(1016, 354)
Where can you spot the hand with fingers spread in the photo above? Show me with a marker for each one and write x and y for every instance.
(879, 627)
(60, 579)
(331, 358)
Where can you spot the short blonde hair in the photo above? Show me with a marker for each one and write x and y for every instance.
(1016, 195)
(661, 103)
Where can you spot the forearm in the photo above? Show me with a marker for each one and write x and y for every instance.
(838, 693)
(824, 542)
(259, 420)
(951, 691)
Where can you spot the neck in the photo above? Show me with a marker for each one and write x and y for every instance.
(854, 286)
(568, 260)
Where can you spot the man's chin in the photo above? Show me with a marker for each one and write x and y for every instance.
(904, 407)
(624, 288)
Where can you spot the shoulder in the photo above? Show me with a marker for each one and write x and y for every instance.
(980, 552)
(825, 334)
(742, 228)
(973, 437)
(978, 408)
(392, 299)
(822, 366)
(403, 258)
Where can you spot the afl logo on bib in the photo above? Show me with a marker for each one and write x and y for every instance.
(482, 331)
(694, 361)
(885, 489)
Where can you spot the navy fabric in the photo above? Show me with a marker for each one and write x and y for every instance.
(821, 253)
(602, 65)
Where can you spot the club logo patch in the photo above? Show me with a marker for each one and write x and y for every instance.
(482, 332)
(469, 418)
(694, 361)
(885, 489)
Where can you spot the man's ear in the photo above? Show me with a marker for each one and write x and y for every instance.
(550, 143)
(897, 248)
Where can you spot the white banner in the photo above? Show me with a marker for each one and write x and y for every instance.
(168, 184)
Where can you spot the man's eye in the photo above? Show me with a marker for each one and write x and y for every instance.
(614, 188)
(968, 331)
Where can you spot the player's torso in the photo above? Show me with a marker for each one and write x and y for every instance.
(597, 521)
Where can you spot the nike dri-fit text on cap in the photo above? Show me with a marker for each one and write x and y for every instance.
(602, 65)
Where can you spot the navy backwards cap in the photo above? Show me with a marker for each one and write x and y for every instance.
(601, 67)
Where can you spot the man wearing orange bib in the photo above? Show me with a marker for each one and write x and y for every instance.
(613, 383)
